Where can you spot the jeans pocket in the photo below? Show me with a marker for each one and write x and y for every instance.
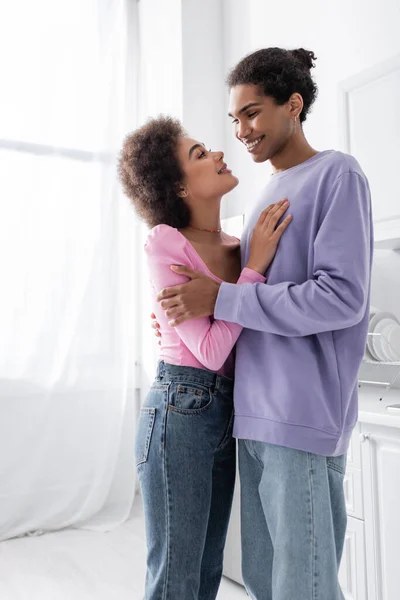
(143, 434)
(190, 398)
(337, 463)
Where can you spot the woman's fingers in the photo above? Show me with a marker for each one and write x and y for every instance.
(271, 210)
(276, 215)
(265, 213)
(282, 227)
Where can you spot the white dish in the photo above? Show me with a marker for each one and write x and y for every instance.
(372, 323)
(367, 354)
(376, 344)
(392, 335)
(379, 342)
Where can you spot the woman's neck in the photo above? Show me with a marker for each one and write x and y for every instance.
(207, 220)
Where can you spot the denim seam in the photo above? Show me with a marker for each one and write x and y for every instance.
(313, 543)
(227, 437)
(167, 500)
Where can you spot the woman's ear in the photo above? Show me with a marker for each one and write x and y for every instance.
(182, 192)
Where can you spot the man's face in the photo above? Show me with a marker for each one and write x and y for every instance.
(263, 126)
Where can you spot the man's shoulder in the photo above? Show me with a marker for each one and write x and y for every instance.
(338, 163)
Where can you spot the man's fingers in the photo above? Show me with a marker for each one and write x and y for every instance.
(169, 302)
(173, 311)
(168, 292)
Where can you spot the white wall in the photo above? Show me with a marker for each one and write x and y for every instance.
(188, 47)
(203, 71)
(160, 25)
(182, 74)
(346, 36)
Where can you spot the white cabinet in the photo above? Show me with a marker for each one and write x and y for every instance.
(381, 482)
(352, 575)
(354, 493)
(352, 569)
(359, 95)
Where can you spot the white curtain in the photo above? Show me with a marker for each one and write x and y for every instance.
(160, 93)
(68, 244)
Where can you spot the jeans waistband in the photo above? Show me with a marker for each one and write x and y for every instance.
(219, 383)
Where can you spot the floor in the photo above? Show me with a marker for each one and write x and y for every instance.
(82, 565)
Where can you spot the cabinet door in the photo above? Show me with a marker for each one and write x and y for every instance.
(381, 479)
(352, 569)
(353, 493)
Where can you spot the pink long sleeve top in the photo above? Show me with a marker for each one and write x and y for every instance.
(203, 343)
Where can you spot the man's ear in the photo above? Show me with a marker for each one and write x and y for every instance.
(296, 104)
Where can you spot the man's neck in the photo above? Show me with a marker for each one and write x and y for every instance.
(296, 151)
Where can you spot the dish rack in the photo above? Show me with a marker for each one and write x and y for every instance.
(378, 373)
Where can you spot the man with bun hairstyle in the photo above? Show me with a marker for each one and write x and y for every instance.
(298, 357)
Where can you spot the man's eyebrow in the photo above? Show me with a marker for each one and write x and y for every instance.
(244, 108)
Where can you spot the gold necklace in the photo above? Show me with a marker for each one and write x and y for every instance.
(209, 230)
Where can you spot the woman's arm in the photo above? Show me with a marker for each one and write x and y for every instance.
(209, 341)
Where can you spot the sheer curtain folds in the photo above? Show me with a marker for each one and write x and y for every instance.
(68, 242)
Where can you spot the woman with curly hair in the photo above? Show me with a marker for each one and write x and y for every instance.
(185, 452)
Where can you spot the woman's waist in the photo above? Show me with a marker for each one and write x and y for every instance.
(168, 372)
(179, 354)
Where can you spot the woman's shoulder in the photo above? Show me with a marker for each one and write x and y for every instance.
(231, 240)
(164, 238)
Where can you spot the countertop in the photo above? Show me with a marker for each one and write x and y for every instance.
(373, 409)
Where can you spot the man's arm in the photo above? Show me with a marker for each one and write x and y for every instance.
(336, 296)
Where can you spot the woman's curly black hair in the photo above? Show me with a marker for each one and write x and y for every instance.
(280, 73)
(150, 172)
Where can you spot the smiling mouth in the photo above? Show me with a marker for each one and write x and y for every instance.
(252, 145)
(224, 170)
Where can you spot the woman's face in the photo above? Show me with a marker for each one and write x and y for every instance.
(207, 177)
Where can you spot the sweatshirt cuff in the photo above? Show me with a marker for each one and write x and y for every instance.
(228, 302)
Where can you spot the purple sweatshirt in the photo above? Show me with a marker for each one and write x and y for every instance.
(298, 357)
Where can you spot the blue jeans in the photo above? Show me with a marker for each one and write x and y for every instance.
(185, 457)
(293, 522)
